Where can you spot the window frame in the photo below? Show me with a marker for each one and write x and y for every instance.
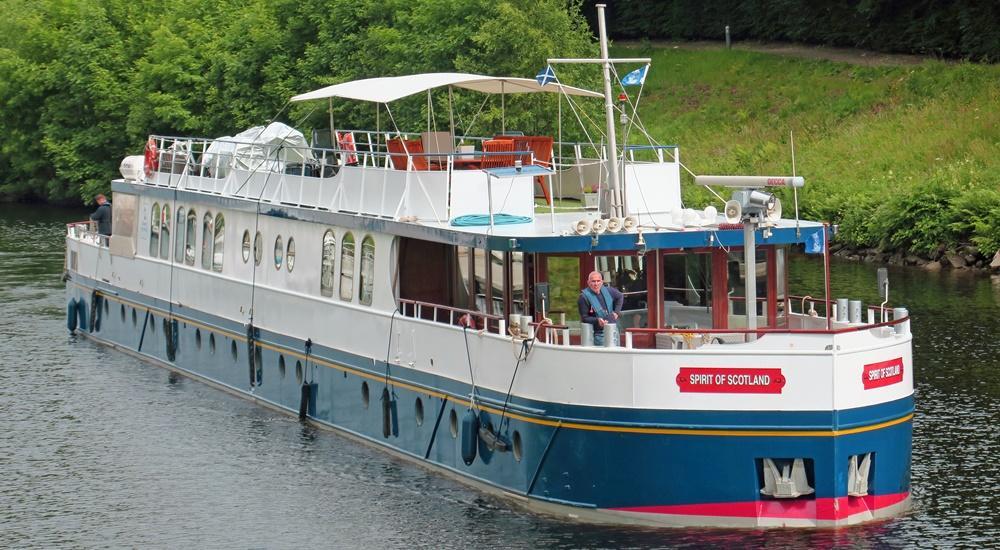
(346, 280)
(367, 263)
(154, 231)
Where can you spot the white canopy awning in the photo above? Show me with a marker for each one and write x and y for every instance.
(391, 88)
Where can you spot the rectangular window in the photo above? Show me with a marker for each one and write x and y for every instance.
(347, 268)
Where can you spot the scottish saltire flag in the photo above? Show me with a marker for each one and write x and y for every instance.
(636, 77)
(545, 76)
(815, 244)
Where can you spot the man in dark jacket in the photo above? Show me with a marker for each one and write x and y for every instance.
(599, 305)
(102, 215)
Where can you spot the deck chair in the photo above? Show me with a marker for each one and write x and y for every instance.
(498, 146)
(400, 149)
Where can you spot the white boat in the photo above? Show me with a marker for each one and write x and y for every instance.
(378, 287)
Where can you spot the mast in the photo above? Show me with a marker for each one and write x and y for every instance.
(609, 118)
(614, 183)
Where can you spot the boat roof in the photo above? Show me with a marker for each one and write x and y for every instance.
(391, 88)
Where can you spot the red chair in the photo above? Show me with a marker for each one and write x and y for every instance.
(400, 149)
(498, 146)
(540, 148)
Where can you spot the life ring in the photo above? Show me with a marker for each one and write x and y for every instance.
(152, 157)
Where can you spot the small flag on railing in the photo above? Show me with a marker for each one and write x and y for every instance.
(545, 76)
(636, 77)
(816, 244)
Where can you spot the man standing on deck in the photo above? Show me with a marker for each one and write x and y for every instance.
(599, 305)
(102, 215)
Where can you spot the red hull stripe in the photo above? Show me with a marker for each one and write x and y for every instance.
(837, 508)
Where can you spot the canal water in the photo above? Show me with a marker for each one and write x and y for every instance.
(100, 449)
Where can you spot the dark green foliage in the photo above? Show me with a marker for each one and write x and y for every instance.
(965, 28)
(84, 82)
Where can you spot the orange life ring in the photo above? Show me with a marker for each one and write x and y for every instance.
(152, 158)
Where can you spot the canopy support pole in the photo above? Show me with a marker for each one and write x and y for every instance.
(451, 114)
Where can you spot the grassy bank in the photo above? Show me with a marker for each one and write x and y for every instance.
(904, 158)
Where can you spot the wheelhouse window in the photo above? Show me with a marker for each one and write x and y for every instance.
(290, 254)
(154, 231)
(246, 245)
(326, 274)
(367, 270)
(207, 239)
(687, 289)
(165, 232)
(179, 238)
(218, 247)
(190, 238)
(347, 268)
(279, 251)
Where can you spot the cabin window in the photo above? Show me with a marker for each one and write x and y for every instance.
(367, 270)
(627, 274)
(246, 245)
(347, 268)
(517, 297)
(207, 238)
(496, 283)
(326, 273)
(258, 248)
(279, 250)
(165, 232)
(563, 276)
(736, 269)
(191, 235)
(290, 254)
(480, 276)
(687, 290)
(179, 238)
(219, 245)
(154, 231)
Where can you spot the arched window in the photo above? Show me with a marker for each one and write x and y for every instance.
(179, 237)
(290, 254)
(246, 246)
(207, 238)
(219, 247)
(326, 273)
(367, 276)
(154, 231)
(165, 232)
(191, 234)
(279, 251)
(347, 267)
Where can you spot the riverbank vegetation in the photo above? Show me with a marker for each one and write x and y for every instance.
(903, 158)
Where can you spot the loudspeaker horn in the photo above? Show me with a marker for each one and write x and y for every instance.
(582, 227)
(629, 223)
(599, 226)
(614, 225)
(773, 214)
(733, 212)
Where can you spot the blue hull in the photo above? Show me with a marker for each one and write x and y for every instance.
(648, 466)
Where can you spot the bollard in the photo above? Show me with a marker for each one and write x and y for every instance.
(871, 316)
(628, 340)
(565, 337)
(611, 335)
(842, 310)
(729, 44)
(899, 313)
(586, 334)
(855, 311)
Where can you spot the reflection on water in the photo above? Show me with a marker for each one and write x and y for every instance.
(100, 449)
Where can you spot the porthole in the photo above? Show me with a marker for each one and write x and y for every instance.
(211, 343)
(258, 248)
(298, 372)
(518, 448)
(453, 422)
(246, 246)
(279, 251)
(281, 366)
(134, 320)
(123, 312)
(233, 350)
(418, 411)
(290, 254)
(197, 338)
(365, 398)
